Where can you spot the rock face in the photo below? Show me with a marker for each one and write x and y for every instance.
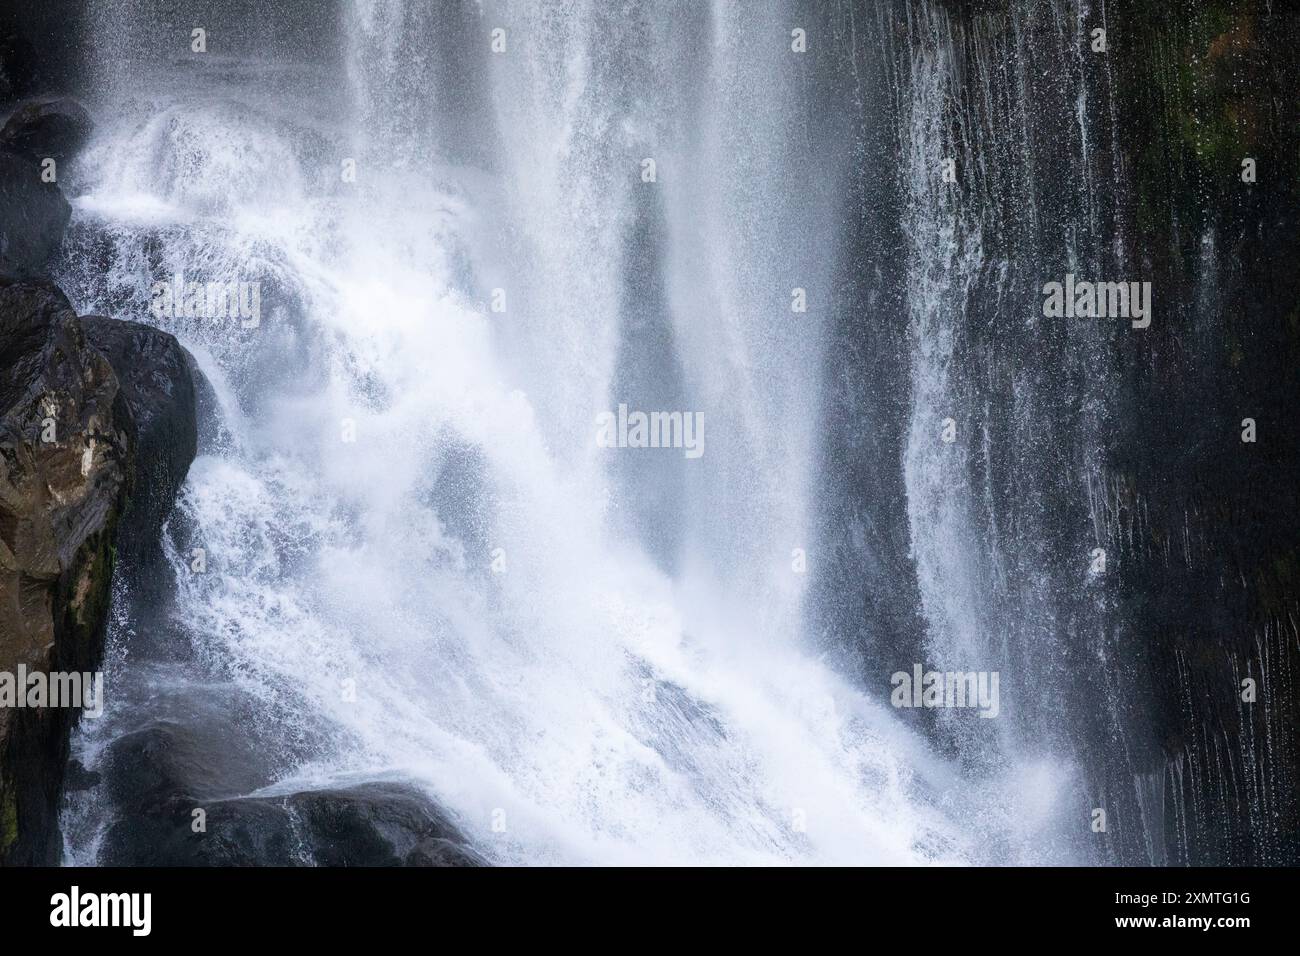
(1164, 160)
(38, 46)
(68, 447)
(80, 450)
(19, 64)
(47, 128)
(158, 385)
(68, 451)
(33, 217)
(33, 212)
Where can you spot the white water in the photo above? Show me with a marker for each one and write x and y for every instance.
(606, 709)
(958, 566)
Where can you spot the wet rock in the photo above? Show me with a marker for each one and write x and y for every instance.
(48, 128)
(157, 384)
(1086, 437)
(39, 46)
(162, 775)
(67, 452)
(19, 65)
(81, 459)
(78, 778)
(33, 217)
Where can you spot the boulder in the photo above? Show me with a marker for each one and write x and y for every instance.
(84, 464)
(161, 775)
(66, 460)
(54, 128)
(158, 386)
(33, 217)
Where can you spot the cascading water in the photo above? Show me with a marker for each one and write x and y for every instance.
(406, 562)
(420, 566)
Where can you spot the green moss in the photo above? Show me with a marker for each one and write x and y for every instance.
(1193, 76)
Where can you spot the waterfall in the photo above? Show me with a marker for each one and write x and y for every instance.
(419, 547)
(420, 565)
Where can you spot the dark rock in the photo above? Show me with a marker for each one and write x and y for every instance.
(60, 500)
(154, 372)
(39, 46)
(78, 777)
(53, 128)
(33, 217)
(20, 72)
(82, 455)
(1085, 436)
(161, 775)
(378, 825)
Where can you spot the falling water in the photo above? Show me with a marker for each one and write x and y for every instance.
(478, 226)
(400, 493)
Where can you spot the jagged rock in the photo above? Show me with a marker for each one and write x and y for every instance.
(53, 128)
(163, 774)
(74, 464)
(154, 372)
(66, 443)
(377, 825)
(33, 217)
